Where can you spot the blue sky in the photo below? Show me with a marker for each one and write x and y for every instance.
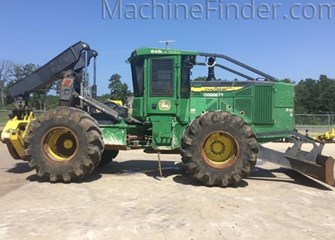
(35, 31)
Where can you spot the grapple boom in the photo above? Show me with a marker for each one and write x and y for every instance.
(69, 59)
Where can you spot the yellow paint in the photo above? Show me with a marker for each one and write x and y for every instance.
(215, 89)
(60, 136)
(117, 102)
(327, 136)
(15, 132)
(219, 148)
(68, 144)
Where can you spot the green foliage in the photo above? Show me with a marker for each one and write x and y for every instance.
(104, 97)
(21, 71)
(5, 77)
(287, 80)
(3, 118)
(18, 72)
(51, 102)
(39, 96)
(315, 96)
(119, 90)
(200, 79)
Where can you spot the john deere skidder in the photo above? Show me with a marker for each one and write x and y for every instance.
(217, 126)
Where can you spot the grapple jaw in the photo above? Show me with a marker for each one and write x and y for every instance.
(14, 133)
(311, 163)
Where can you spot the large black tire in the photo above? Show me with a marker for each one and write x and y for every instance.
(64, 144)
(219, 149)
(108, 156)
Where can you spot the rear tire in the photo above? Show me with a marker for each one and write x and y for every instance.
(64, 144)
(219, 149)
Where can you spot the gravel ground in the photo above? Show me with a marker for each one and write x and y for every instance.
(127, 200)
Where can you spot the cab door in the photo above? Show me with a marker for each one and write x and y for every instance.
(162, 97)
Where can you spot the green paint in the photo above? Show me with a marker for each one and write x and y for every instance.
(165, 105)
(114, 135)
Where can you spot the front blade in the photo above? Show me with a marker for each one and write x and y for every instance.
(321, 167)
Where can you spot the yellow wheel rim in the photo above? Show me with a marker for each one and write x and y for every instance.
(60, 144)
(220, 150)
(68, 144)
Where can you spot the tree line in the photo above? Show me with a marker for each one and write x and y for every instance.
(42, 99)
(11, 73)
(315, 96)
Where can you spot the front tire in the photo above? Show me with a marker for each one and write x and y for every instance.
(64, 144)
(219, 149)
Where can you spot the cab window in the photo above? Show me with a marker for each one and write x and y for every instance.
(162, 78)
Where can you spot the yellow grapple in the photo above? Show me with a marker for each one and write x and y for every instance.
(14, 133)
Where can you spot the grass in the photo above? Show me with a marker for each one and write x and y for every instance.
(3, 118)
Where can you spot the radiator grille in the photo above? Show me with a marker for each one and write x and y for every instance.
(263, 108)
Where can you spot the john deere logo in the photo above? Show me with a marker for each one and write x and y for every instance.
(164, 105)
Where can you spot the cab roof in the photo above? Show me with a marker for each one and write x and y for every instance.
(160, 52)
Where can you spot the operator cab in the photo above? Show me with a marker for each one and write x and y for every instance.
(160, 87)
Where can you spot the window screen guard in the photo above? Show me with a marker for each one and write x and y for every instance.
(162, 78)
